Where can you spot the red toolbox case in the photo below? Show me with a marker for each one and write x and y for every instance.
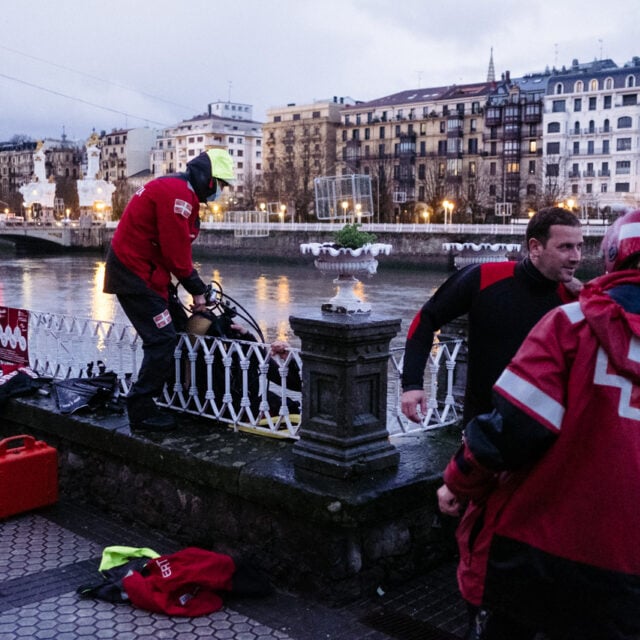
(28, 475)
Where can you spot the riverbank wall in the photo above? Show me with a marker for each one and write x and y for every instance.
(410, 249)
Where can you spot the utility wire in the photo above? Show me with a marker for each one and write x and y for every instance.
(93, 104)
(92, 77)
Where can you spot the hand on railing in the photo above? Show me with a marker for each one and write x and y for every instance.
(414, 404)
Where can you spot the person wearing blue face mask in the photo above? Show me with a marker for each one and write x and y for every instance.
(152, 243)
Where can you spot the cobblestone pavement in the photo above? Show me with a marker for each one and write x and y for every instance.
(47, 554)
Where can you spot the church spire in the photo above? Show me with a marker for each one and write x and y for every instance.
(491, 73)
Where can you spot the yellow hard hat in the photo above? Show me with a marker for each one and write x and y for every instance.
(221, 165)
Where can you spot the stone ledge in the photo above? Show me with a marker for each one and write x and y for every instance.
(208, 485)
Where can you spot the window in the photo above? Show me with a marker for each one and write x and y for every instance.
(623, 144)
(553, 127)
(277, 118)
(603, 187)
(606, 102)
(423, 148)
(398, 131)
(623, 167)
(605, 146)
(532, 167)
(575, 171)
(473, 145)
(472, 169)
(296, 116)
(553, 148)
(558, 106)
(629, 99)
(590, 147)
(622, 187)
(381, 151)
(576, 127)
(606, 126)
(592, 104)
(513, 167)
(574, 189)
(531, 189)
(604, 171)
(442, 147)
(559, 89)
(533, 146)
(576, 148)
(422, 172)
(593, 85)
(624, 122)
(608, 83)
(442, 126)
(630, 81)
(492, 189)
(553, 170)
(592, 126)
(381, 136)
(578, 87)
(492, 169)
(577, 104)
(315, 114)
(473, 125)
(367, 133)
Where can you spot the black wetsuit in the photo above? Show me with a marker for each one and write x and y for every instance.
(504, 301)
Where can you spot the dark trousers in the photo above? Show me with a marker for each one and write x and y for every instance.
(146, 313)
(485, 625)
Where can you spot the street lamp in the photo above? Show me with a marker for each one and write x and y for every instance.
(359, 213)
(448, 209)
(283, 210)
(345, 206)
(425, 215)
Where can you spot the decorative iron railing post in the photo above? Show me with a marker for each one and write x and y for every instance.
(344, 399)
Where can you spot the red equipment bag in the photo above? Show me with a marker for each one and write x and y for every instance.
(28, 475)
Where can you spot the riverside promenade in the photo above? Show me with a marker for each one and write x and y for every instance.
(48, 553)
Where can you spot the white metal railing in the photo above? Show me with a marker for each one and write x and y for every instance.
(235, 382)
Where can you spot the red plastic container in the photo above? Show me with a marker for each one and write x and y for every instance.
(28, 475)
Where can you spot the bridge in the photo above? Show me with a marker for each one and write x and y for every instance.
(32, 235)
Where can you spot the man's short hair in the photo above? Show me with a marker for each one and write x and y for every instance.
(540, 224)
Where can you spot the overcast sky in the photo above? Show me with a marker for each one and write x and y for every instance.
(157, 62)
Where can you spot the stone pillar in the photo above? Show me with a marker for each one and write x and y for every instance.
(344, 400)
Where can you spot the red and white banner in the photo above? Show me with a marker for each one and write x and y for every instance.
(14, 328)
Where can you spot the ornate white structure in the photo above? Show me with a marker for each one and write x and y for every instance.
(95, 195)
(39, 191)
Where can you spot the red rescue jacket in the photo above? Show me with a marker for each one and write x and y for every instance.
(153, 238)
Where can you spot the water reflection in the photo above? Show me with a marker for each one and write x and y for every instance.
(72, 285)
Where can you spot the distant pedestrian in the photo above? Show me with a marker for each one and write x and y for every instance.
(549, 541)
(503, 301)
(151, 243)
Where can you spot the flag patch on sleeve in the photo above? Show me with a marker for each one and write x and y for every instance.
(182, 208)
(162, 319)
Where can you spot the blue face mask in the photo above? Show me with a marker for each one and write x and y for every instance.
(214, 196)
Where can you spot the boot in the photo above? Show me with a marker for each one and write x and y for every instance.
(144, 415)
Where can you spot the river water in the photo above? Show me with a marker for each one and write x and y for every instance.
(72, 285)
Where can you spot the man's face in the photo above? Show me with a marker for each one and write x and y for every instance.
(559, 258)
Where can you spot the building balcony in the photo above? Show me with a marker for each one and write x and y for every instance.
(533, 113)
(574, 174)
(604, 173)
(589, 173)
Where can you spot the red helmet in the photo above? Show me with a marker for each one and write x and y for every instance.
(621, 241)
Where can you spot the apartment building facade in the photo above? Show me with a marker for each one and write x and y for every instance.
(125, 153)
(242, 138)
(300, 145)
(425, 147)
(592, 141)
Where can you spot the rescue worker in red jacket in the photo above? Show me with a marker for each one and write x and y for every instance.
(151, 243)
(549, 541)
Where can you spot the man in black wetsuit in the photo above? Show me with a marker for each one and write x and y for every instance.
(504, 301)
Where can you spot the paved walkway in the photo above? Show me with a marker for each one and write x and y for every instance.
(46, 554)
